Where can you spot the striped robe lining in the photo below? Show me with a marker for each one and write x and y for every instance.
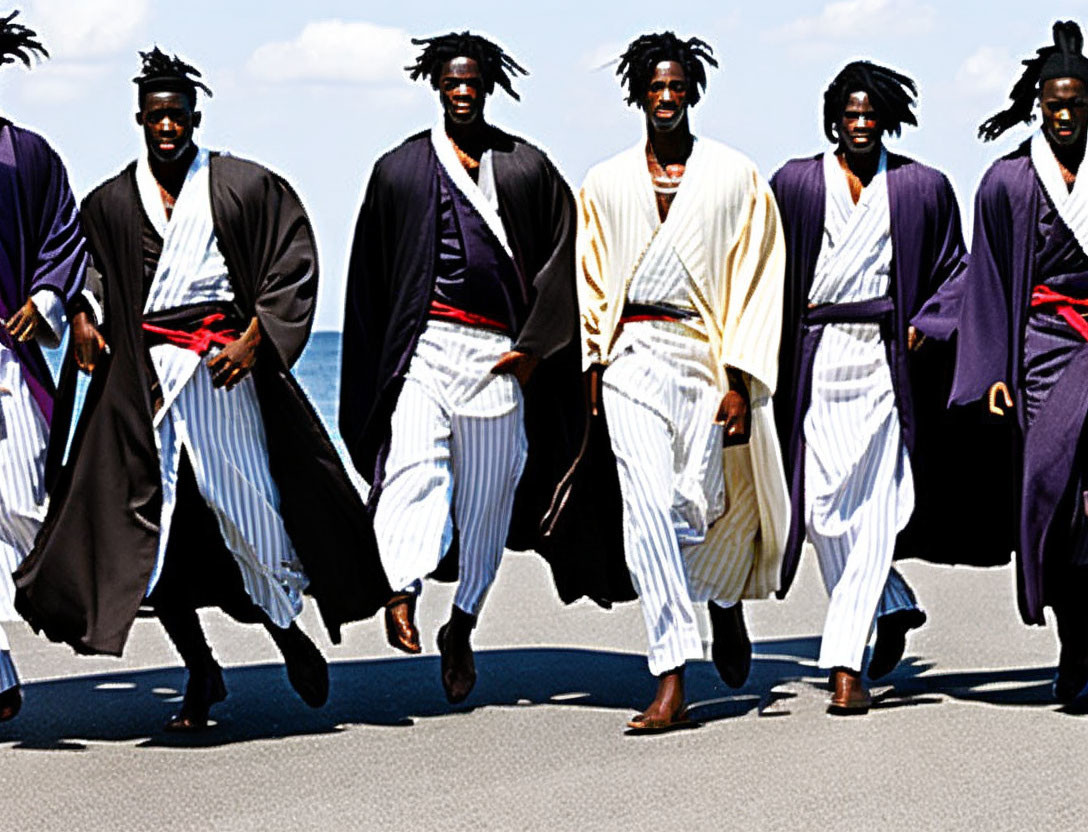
(859, 491)
(23, 439)
(457, 451)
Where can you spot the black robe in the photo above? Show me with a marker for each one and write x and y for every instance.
(88, 572)
(391, 277)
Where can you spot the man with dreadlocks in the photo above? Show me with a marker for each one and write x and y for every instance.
(870, 234)
(1021, 335)
(460, 302)
(681, 258)
(42, 265)
(199, 473)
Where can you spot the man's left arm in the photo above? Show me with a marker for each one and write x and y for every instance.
(59, 247)
(949, 254)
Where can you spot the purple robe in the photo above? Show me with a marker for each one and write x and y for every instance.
(928, 250)
(1016, 233)
(41, 243)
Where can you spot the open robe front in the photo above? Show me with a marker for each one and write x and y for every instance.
(91, 566)
(725, 230)
(391, 285)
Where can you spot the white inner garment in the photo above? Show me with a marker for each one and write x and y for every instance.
(1072, 206)
(859, 492)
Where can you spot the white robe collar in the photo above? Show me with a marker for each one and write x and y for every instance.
(685, 223)
(1072, 206)
(151, 197)
(483, 196)
(856, 246)
(841, 210)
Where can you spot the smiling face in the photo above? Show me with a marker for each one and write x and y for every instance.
(461, 86)
(1064, 102)
(859, 127)
(168, 120)
(666, 98)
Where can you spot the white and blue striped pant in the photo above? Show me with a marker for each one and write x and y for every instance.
(457, 442)
(223, 432)
(661, 399)
(859, 492)
(23, 439)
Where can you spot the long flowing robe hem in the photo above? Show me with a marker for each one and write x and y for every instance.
(88, 573)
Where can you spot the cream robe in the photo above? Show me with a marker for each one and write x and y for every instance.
(727, 232)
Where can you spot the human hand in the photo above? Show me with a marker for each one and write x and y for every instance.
(234, 362)
(87, 342)
(516, 363)
(23, 325)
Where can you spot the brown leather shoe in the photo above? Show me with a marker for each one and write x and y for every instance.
(458, 664)
(849, 695)
(400, 624)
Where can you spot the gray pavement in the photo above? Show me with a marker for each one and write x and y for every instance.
(964, 735)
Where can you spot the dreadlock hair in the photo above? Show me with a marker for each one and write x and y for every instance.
(496, 66)
(17, 41)
(1062, 60)
(891, 93)
(644, 53)
(162, 73)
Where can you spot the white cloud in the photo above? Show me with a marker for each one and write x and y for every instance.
(988, 70)
(336, 51)
(849, 20)
(75, 30)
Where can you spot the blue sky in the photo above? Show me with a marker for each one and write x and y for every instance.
(316, 91)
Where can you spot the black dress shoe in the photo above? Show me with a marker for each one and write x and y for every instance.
(203, 690)
(307, 670)
(731, 649)
(458, 663)
(891, 640)
(11, 702)
(1071, 687)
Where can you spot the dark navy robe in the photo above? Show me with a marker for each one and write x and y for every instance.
(41, 243)
(928, 250)
(391, 284)
(472, 271)
(1019, 242)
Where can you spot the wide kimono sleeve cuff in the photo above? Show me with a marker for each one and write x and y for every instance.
(51, 309)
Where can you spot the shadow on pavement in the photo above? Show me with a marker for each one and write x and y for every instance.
(64, 714)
